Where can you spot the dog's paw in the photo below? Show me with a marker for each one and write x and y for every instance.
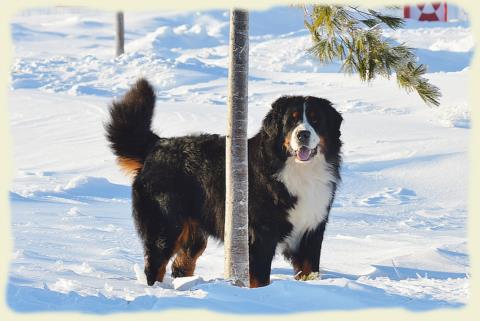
(151, 277)
(300, 276)
(154, 274)
(178, 272)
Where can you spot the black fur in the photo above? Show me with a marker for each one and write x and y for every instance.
(129, 130)
(179, 194)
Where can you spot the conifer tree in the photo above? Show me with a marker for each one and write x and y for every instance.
(354, 37)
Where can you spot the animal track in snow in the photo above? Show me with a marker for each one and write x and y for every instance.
(390, 196)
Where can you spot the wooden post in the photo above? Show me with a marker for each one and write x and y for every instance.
(236, 201)
(120, 34)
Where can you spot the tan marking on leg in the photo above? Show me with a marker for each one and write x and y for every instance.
(302, 269)
(183, 237)
(183, 261)
(254, 283)
(186, 263)
(161, 272)
(180, 241)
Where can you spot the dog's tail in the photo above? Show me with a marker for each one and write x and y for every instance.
(128, 129)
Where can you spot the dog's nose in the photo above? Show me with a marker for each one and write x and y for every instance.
(303, 135)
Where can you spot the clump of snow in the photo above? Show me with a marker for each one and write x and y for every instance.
(453, 115)
(84, 268)
(187, 283)
(74, 211)
(17, 254)
(79, 269)
(66, 286)
(82, 187)
(140, 274)
(75, 182)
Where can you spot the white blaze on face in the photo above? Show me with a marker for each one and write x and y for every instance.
(305, 125)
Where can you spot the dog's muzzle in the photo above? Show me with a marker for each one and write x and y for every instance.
(304, 143)
(304, 154)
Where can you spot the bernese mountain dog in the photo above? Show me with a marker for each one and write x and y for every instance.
(178, 190)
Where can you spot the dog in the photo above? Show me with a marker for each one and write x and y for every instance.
(178, 189)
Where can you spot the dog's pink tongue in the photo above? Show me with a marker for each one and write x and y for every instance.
(303, 153)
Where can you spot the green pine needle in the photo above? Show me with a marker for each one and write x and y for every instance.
(310, 277)
(354, 36)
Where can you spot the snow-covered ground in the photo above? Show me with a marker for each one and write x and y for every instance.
(397, 233)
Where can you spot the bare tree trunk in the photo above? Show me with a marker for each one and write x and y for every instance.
(120, 34)
(236, 202)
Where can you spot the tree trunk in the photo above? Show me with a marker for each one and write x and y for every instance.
(120, 34)
(236, 201)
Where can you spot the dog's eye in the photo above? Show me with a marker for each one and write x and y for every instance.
(313, 118)
(295, 114)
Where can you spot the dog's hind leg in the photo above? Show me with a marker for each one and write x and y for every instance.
(162, 232)
(190, 250)
(155, 263)
(159, 249)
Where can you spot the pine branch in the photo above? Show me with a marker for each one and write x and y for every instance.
(354, 37)
(410, 78)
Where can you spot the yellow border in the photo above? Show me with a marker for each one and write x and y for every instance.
(470, 312)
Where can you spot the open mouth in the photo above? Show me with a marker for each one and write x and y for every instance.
(304, 154)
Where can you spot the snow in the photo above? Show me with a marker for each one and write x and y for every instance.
(397, 231)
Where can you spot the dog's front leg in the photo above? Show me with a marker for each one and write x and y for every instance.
(306, 258)
(261, 253)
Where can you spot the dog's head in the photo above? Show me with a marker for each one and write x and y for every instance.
(304, 126)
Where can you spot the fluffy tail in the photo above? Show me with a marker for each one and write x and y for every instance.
(129, 130)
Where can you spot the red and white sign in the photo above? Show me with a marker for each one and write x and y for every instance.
(427, 12)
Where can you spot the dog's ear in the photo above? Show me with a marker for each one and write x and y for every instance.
(271, 124)
(281, 103)
(333, 120)
(273, 120)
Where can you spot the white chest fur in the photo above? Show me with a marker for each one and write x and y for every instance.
(311, 184)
